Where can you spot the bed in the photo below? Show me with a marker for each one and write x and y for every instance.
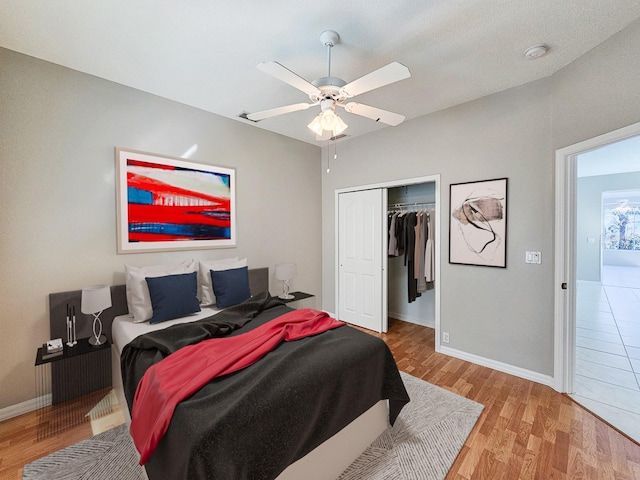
(307, 409)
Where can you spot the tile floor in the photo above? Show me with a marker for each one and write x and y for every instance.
(607, 376)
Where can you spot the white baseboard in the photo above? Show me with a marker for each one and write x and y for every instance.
(405, 318)
(500, 366)
(24, 407)
(410, 319)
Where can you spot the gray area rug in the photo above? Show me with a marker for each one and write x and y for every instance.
(108, 456)
(425, 439)
(422, 445)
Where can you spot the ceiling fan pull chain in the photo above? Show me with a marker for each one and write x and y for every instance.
(328, 162)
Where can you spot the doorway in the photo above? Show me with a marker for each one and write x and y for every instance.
(597, 330)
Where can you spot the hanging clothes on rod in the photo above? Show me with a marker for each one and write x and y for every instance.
(411, 235)
(396, 233)
(396, 225)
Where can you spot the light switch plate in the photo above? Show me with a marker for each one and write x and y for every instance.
(533, 257)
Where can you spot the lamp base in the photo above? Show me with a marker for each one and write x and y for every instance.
(287, 296)
(97, 342)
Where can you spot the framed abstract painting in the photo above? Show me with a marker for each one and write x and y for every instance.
(478, 223)
(166, 203)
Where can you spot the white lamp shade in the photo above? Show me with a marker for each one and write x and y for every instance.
(95, 298)
(316, 125)
(340, 126)
(286, 271)
(327, 120)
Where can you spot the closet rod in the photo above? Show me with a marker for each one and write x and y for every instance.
(412, 204)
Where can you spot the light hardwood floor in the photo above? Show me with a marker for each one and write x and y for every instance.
(31, 436)
(526, 430)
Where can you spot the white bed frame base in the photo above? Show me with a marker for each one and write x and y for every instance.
(329, 459)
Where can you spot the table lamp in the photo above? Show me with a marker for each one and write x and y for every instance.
(285, 272)
(96, 299)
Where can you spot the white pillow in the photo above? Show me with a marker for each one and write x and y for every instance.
(207, 296)
(138, 299)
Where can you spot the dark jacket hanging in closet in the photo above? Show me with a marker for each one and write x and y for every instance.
(410, 222)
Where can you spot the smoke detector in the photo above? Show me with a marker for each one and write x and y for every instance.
(536, 51)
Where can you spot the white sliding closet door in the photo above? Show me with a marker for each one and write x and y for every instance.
(360, 254)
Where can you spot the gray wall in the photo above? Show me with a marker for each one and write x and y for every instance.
(58, 132)
(503, 315)
(589, 218)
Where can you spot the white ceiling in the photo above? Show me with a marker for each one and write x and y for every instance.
(204, 53)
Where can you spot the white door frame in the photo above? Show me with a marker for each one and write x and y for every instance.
(565, 254)
(386, 185)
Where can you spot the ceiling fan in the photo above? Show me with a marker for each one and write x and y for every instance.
(331, 92)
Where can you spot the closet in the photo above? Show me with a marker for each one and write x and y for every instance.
(371, 285)
(411, 278)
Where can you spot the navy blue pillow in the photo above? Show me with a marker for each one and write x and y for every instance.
(231, 286)
(173, 296)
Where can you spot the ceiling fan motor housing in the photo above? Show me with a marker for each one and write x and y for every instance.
(329, 38)
(329, 82)
(329, 88)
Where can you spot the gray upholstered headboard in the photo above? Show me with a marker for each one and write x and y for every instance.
(258, 282)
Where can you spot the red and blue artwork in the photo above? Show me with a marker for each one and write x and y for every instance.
(167, 203)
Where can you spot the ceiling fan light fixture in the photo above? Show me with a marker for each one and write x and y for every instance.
(339, 127)
(316, 125)
(328, 119)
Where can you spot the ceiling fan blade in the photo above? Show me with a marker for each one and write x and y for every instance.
(374, 113)
(391, 73)
(283, 73)
(256, 117)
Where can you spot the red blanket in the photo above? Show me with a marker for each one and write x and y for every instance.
(181, 374)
